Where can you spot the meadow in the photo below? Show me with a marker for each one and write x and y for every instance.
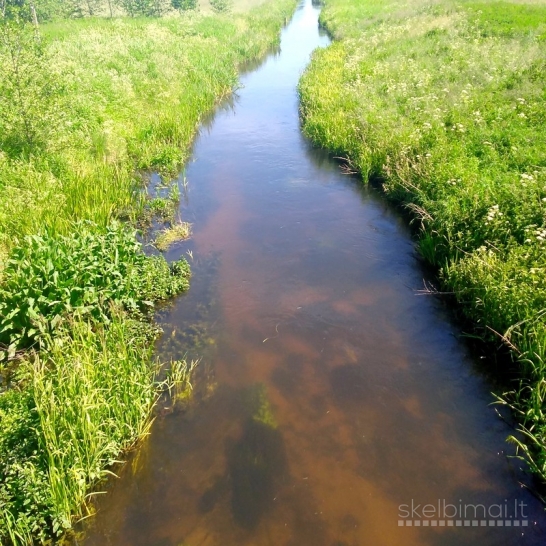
(88, 107)
(443, 104)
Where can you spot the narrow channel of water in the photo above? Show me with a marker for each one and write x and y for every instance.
(334, 395)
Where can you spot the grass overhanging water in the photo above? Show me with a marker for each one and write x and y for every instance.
(85, 106)
(445, 103)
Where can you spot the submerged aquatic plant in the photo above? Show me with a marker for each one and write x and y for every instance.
(259, 406)
(178, 382)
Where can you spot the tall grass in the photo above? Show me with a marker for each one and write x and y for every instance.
(76, 375)
(445, 102)
(83, 403)
(77, 378)
(130, 94)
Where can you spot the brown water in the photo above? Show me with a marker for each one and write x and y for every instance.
(334, 394)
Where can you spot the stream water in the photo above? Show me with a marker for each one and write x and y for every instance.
(332, 396)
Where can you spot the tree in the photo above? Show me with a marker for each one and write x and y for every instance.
(184, 5)
(33, 11)
(29, 91)
(92, 6)
(146, 8)
(221, 6)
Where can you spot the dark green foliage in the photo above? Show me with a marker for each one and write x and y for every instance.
(15, 9)
(29, 90)
(48, 279)
(146, 8)
(41, 10)
(221, 6)
(184, 5)
(23, 482)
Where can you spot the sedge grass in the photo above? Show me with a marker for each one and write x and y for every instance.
(82, 404)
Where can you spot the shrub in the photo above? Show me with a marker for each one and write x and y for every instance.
(49, 278)
(221, 6)
(184, 5)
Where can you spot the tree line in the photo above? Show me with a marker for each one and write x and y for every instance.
(38, 11)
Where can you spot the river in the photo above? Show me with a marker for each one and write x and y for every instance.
(335, 405)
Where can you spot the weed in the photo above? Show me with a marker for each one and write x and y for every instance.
(76, 408)
(49, 279)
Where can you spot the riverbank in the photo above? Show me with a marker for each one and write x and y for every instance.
(444, 103)
(98, 102)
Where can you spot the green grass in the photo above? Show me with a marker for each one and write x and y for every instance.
(83, 113)
(129, 95)
(71, 415)
(505, 19)
(445, 102)
(77, 383)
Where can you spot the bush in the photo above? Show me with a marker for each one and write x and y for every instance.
(184, 5)
(221, 6)
(29, 90)
(65, 422)
(49, 278)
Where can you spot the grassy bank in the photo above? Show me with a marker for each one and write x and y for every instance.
(445, 103)
(83, 109)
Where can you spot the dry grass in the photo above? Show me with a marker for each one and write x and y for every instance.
(173, 234)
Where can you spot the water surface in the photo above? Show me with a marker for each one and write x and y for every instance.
(333, 393)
